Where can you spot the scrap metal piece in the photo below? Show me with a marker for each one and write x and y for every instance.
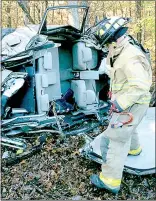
(8, 77)
(16, 85)
(27, 118)
(25, 124)
(15, 142)
(12, 133)
(11, 83)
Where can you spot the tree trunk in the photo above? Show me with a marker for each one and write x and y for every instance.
(130, 9)
(38, 12)
(27, 18)
(122, 12)
(143, 28)
(42, 10)
(34, 10)
(138, 17)
(52, 18)
(114, 11)
(46, 4)
(8, 15)
(16, 14)
(104, 10)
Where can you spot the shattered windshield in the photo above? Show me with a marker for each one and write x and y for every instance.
(64, 16)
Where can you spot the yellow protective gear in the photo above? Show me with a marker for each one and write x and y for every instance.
(109, 181)
(131, 75)
(116, 142)
(135, 152)
(112, 185)
(131, 78)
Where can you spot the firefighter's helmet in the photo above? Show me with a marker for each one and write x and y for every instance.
(106, 29)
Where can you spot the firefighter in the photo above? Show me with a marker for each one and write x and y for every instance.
(131, 78)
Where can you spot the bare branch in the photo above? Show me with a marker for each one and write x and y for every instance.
(25, 10)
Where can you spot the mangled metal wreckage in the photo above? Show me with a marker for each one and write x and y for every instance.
(54, 81)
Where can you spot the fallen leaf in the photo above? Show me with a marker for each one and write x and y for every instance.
(23, 162)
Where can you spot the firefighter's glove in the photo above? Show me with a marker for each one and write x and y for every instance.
(113, 109)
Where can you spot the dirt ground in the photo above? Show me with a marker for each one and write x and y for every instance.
(59, 172)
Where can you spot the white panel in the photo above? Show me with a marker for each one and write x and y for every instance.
(44, 100)
(51, 78)
(44, 80)
(85, 75)
(48, 60)
(39, 91)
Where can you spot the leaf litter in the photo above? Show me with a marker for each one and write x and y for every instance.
(58, 172)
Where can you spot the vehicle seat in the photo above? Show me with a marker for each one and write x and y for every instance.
(84, 93)
(84, 58)
(47, 78)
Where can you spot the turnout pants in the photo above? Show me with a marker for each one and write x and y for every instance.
(116, 142)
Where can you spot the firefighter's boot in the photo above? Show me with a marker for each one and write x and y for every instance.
(111, 185)
(135, 152)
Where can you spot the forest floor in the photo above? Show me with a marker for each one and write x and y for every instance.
(58, 173)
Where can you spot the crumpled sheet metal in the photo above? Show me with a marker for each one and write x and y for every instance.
(16, 41)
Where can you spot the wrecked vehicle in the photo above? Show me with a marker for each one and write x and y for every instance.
(54, 81)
